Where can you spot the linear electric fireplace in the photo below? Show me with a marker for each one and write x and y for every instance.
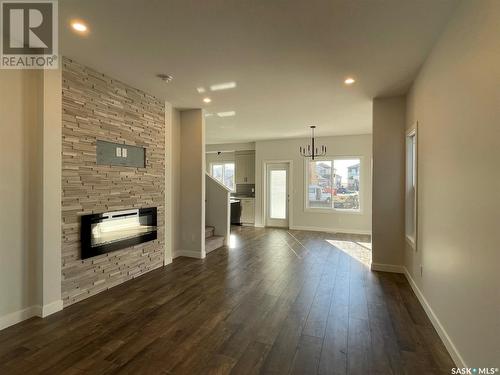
(109, 231)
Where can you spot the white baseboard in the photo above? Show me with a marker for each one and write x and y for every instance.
(18, 316)
(50, 308)
(387, 268)
(29, 312)
(330, 230)
(167, 261)
(455, 355)
(189, 254)
(452, 349)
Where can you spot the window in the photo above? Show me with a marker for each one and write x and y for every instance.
(411, 187)
(334, 184)
(224, 173)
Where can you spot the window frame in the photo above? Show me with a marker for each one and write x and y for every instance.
(223, 164)
(333, 210)
(411, 186)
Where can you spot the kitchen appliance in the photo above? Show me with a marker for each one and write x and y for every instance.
(235, 212)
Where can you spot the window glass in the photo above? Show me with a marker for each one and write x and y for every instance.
(320, 184)
(346, 184)
(278, 198)
(224, 173)
(229, 175)
(334, 184)
(218, 171)
(411, 181)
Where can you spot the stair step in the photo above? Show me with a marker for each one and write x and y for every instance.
(214, 242)
(209, 231)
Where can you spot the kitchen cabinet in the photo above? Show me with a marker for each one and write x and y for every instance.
(247, 211)
(245, 167)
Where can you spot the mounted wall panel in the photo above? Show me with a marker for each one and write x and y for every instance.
(109, 153)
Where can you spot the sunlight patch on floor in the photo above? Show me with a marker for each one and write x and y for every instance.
(232, 241)
(360, 251)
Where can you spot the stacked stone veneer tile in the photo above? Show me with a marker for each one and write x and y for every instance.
(98, 107)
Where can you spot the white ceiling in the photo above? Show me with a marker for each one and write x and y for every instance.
(288, 57)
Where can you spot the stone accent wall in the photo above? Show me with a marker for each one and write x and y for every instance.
(98, 107)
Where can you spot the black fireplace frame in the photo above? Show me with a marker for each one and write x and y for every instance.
(89, 251)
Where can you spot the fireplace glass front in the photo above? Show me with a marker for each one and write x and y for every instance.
(109, 231)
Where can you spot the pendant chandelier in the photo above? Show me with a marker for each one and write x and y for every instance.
(311, 150)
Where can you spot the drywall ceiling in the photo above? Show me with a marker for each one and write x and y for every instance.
(289, 58)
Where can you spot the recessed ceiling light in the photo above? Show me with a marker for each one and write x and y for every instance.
(223, 86)
(349, 81)
(79, 26)
(207, 100)
(226, 114)
(201, 90)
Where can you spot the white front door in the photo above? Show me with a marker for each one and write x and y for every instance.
(277, 195)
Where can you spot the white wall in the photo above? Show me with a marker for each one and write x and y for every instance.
(170, 183)
(388, 182)
(51, 123)
(212, 157)
(30, 194)
(18, 127)
(230, 147)
(278, 150)
(192, 177)
(176, 182)
(218, 208)
(227, 152)
(456, 101)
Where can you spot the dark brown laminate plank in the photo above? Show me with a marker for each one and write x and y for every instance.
(307, 356)
(334, 351)
(278, 302)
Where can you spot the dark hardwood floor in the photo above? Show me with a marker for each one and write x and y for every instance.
(276, 302)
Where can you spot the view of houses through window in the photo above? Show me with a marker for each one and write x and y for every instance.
(224, 173)
(334, 184)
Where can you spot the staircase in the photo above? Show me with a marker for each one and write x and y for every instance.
(217, 214)
(212, 242)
